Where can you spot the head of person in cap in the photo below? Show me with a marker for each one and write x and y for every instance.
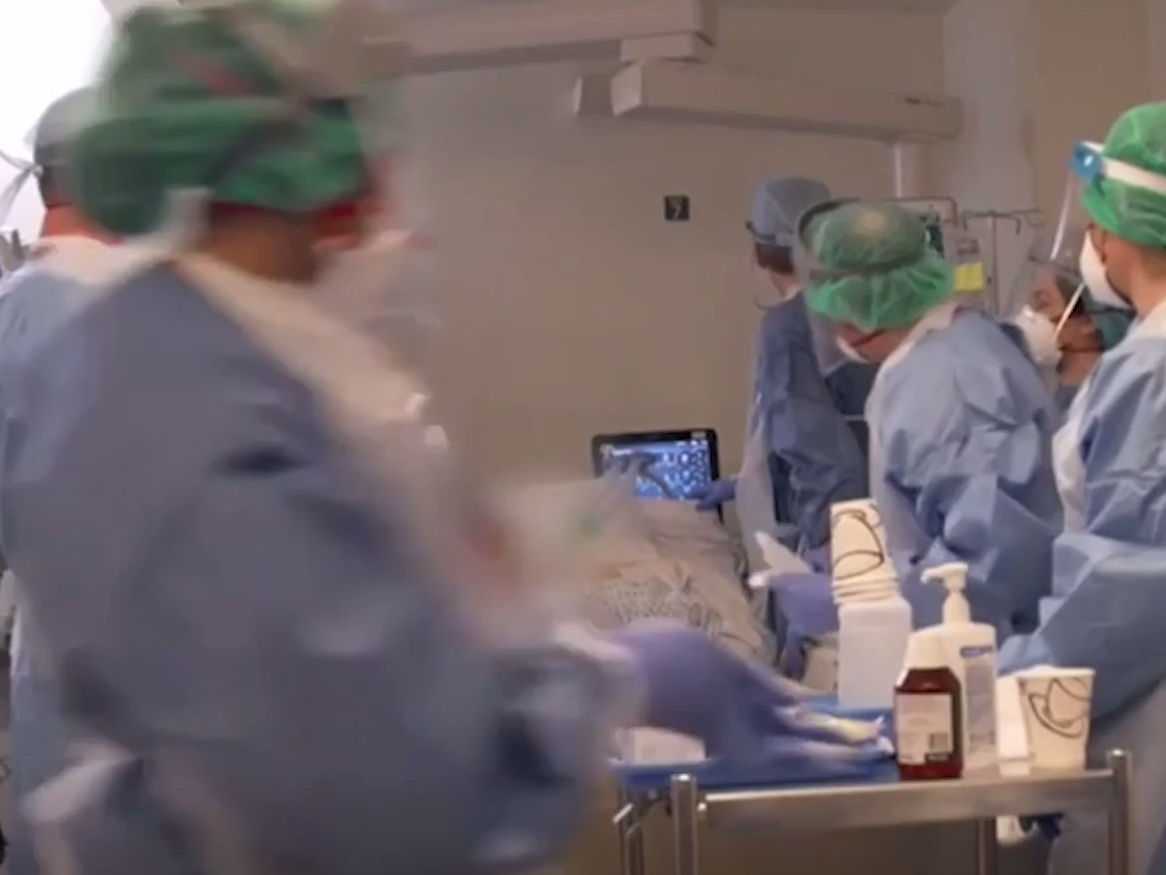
(778, 203)
(50, 141)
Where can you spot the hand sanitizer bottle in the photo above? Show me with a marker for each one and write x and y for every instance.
(971, 651)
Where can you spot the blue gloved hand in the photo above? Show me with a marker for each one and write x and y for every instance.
(747, 716)
(718, 492)
(807, 603)
(804, 606)
(741, 710)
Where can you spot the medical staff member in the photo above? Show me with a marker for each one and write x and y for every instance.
(961, 424)
(805, 445)
(70, 265)
(1106, 607)
(296, 638)
(1066, 329)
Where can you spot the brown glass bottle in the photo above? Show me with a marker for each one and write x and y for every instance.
(929, 724)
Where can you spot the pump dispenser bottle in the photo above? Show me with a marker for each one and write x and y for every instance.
(971, 654)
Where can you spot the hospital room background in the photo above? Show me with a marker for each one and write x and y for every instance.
(568, 306)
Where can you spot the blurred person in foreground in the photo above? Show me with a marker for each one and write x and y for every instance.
(291, 636)
(70, 265)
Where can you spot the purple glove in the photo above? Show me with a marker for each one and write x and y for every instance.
(698, 688)
(806, 601)
(719, 492)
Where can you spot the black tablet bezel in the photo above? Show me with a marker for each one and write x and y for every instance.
(631, 438)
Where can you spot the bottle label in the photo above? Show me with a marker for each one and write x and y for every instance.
(924, 731)
(979, 679)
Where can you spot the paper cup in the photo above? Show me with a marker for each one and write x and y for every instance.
(858, 543)
(1055, 705)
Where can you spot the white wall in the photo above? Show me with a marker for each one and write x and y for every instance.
(571, 306)
(1077, 92)
(52, 47)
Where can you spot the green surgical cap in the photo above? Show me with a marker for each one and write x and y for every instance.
(878, 271)
(183, 103)
(1134, 214)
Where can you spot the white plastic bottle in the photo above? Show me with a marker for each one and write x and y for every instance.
(971, 650)
(872, 643)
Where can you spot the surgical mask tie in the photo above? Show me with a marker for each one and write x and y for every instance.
(25, 170)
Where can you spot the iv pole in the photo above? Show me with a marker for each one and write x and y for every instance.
(1018, 219)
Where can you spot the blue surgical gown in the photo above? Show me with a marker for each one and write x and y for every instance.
(1063, 397)
(966, 428)
(229, 602)
(1107, 609)
(34, 303)
(814, 423)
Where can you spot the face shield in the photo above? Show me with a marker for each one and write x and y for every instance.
(23, 171)
(1098, 179)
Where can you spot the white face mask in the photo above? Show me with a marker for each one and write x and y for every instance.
(1041, 336)
(1096, 279)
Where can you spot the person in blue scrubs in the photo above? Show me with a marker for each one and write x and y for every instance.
(289, 633)
(69, 267)
(805, 441)
(1107, 609)
(961, 422)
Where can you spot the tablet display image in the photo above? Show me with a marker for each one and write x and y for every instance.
(676, 465)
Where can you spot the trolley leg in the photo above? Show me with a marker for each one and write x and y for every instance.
(684, 796)
(630, 828)
(987, 848)
(1121, 827)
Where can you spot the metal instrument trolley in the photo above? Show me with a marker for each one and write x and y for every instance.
(979, 800)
